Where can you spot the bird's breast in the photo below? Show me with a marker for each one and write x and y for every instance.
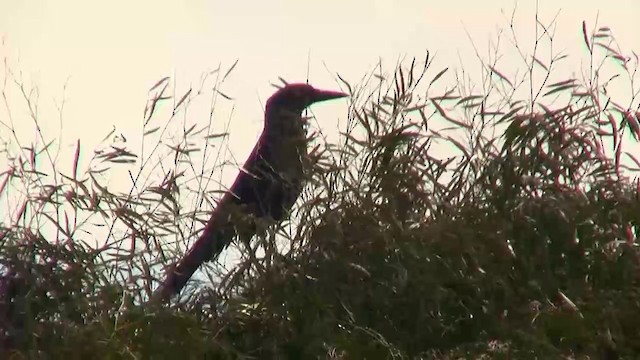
(284, 155)
(284, 145)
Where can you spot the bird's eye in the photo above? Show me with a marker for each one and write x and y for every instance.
(302, 95)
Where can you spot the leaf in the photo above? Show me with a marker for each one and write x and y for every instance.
(635, 160)
(558, 89)
(585, 36)
(230, 70)
(75, 160)
(444, 114)
(189, 130)
(609, 49)
(159, 82)
(438, 75)
(561, 83)
(444, 98)
(57, 224)
(151, 131)
(500, 75)
(346, 84)
(469, 98)
(459, 146)
(113, 130)
(414, 108)
(223, 95)
(183, 98)
(510, 113)
(540, 63)
(215, 136)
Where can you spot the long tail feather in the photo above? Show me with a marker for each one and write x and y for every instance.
(217, 235)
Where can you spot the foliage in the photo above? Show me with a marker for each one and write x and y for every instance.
(520, 242)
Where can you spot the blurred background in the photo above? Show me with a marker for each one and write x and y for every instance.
(100, 59)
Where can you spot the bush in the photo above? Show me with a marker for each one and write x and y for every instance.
(519, 242)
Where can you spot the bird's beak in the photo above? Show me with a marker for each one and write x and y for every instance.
(322, 95)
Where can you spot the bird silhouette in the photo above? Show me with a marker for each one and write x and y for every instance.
(267, 186)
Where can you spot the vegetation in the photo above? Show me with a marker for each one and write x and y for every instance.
(498, 220)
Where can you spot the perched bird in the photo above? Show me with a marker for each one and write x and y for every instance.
(266, 187)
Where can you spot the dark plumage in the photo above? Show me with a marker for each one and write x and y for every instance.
(267, 186)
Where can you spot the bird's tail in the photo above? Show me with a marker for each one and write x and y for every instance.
(218, 233)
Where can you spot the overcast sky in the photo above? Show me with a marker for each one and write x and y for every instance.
(109, 53)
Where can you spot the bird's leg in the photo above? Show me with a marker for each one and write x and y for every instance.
(266, 239)
(269, 244)
(252, 260)
(247, 227)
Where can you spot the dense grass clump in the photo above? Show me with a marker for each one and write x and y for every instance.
(449, 221)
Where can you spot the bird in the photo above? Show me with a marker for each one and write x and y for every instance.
(266, 187)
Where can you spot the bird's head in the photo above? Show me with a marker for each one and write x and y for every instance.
(296, 97)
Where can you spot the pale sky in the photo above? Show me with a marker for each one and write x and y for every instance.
(109, 53)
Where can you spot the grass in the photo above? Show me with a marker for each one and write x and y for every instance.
(451, 220)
